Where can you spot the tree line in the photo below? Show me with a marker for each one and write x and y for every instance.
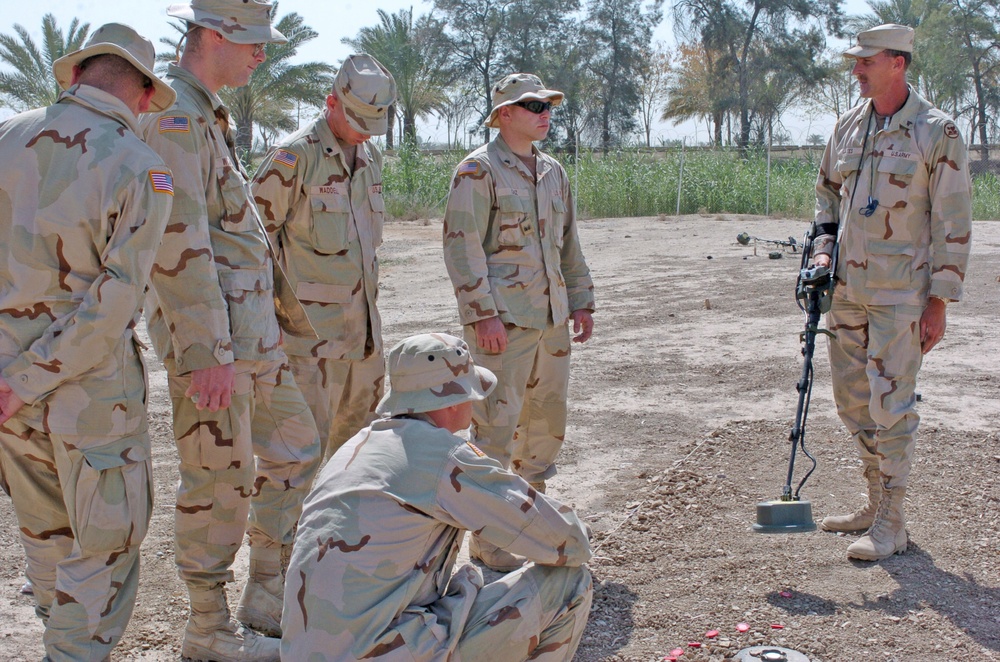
(738, 66)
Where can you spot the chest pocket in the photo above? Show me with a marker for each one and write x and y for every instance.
(377, 203)
(848, 165)
(331, 220)
(513, 223)
(558, 224)
(238, 213)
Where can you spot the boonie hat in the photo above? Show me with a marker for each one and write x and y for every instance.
(366, 89)
(889, 36)
(518, 87)
(433, 371)
(239, 21)
(123, 41)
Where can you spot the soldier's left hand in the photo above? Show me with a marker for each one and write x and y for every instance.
(933, 322)
(583, 325)
(9, 401)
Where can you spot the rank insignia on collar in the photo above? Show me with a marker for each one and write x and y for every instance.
(475, 449)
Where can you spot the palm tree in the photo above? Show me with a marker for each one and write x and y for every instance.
(410, 51)
(31, 84)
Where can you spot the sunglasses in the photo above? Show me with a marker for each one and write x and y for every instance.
(258, 49)
(534, 106)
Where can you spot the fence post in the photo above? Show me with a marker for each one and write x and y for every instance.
(680, 176)
(767, 194)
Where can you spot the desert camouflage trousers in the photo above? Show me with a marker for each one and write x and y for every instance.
(83, 505)
(874, 362)
(342, 395)
(537, 612)
(220, 483)
(522, 423)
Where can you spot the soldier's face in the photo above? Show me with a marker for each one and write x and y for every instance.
(338, 122)
(528, 124)
(240, 62)
(876, 73)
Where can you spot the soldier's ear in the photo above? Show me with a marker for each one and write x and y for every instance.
(75, 77)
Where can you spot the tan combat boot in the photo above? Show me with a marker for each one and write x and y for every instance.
(263, 595)
(887, 535)
(492, 556)
(861, 519)
(212, 635)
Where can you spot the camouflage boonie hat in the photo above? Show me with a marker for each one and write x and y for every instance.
(366, 89)
(123, 41)
(889, 36)
(239, 21)
(433, 371)
(518, 87)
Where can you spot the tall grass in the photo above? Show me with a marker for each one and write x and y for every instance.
(632, 182)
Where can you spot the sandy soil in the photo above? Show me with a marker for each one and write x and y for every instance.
(680, 409)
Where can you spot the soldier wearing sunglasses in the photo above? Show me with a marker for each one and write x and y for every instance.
(513, 253)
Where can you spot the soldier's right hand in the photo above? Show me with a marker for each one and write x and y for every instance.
(491, 335)
(822, 260)
(9, 401)
(213, 387)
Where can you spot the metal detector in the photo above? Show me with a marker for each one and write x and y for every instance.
(744, 239)
(814, 295)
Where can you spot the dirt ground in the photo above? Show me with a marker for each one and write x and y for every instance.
(680, 409)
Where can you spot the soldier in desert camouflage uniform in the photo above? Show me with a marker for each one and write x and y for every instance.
(894, 188)
(246, 439)
(371, 572)
(320, 195)
(83, 204)
(514, 257)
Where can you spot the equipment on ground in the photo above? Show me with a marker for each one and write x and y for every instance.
(814, 295)
(745, 239)
(770, 654)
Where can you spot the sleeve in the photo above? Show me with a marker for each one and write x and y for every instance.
(185, 281)
(277, 189)
(75, 343)
(950, 194)
(479, 495)
(467, 220)
(828, 186)
(576, 273)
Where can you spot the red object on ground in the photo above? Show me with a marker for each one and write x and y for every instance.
(677, 652)
(742, 627)
(694, 644)
(777, 626)
(712, 634)
(785, 594)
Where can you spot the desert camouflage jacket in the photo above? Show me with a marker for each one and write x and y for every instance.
(215, 290)
(916, 243)
(83, 204)
(511, 247)
(379, 535)
(325, 224)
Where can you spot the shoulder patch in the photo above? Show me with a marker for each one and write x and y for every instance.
(475, 449)
(951, 130)
(174, 124)
(162, 181)
(467, 168)
(286, 158)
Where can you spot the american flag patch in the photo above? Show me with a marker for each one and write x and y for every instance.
(162, 181)
(468, 168)
(286, 158)
(179, 124)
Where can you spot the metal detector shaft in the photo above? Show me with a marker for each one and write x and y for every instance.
(804, 386)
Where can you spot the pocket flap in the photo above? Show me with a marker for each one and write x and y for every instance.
(251, 280)
(323, 293)
(897, 166)
(889, 247)
(322, 202)
(508, 201)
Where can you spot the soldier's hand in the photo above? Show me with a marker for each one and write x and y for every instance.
(583, 325)
(213, 387)
(9, 401)
(822, 261)
(491, 335)
(933, 323)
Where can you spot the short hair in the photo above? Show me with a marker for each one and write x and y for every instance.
(111, 72)
(192, 37)
(907, 57)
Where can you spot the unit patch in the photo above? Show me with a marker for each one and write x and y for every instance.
(951, 130)
(162, 181)
(174, 124)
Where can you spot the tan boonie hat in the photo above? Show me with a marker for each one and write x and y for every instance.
(239, 21)
(366, 89)
(123, 41)
(518, 87)
(890, 36)
(433, 371)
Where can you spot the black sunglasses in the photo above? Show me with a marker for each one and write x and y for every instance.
(534, 106)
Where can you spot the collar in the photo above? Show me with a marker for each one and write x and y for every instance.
(332, 148)
(511, 160)
(101, 102)
(902, 118)
(208, 101)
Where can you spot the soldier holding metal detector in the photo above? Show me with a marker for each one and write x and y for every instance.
(893, 222)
